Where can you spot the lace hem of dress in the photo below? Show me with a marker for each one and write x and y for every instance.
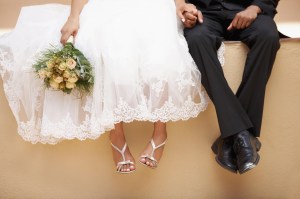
(221, 53)
(46, 132)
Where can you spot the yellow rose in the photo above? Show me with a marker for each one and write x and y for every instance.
(58, 79)
(54, 85)
(49, 64)
(62, 66)
(48, 74)
(62, 85)
(42, 74)
(57, 60)
(67, 74)
(73, 79)
(71, 63)
(70, 85)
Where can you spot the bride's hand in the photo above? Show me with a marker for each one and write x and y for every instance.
(70, 28)
(182, 7)
(189, 14)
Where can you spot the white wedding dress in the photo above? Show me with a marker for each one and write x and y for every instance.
(143, 70)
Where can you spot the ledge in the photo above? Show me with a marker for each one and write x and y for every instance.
(74, 169)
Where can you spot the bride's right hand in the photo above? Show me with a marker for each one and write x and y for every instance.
(70, 28)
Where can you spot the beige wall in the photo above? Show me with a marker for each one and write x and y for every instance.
(85, 170)
(9, 10)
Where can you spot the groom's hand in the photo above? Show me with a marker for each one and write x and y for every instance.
(244, 18)
(188, 14)
(191, 19)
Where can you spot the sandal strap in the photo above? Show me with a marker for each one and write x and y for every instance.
(120, 151)
(149, 157)
(154, 147)
(121, 164)
(125, 162)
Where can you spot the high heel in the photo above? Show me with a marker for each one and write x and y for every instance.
(124, 162)
(151, 156)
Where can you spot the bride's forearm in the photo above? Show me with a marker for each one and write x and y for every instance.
(178, 2)
(76, 7)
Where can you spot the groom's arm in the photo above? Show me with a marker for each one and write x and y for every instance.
(246, 17)
(268, 7)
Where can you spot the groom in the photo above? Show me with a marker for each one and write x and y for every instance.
(207, 23)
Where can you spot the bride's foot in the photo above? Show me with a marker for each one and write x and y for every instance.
(122, 157)
(153, 151)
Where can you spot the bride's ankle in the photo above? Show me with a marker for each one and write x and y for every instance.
(117, 138)
(160, 136)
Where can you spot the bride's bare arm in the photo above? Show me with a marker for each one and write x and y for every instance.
(71, 27)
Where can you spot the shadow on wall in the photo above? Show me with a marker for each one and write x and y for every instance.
(288, 18)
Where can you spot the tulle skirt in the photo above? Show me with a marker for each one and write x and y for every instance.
(142, 67)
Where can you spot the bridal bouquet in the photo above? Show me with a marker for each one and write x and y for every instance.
(65, 69)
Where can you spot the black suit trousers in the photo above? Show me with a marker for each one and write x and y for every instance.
(244, 109)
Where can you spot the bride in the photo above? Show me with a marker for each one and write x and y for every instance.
(142, 67)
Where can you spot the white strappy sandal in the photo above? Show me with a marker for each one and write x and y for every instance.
(151, 156)
(124, 162)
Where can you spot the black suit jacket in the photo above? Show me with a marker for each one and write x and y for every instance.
(267, 6)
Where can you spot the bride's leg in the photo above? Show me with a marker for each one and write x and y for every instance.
(159, 137)
(117, 138)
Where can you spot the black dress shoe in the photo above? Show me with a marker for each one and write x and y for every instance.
(245, 147)
(225, 156)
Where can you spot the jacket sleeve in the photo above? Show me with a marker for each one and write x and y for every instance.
(268, 7)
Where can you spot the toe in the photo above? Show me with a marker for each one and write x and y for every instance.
(125, 168)
(143, 160)
(151, 164)
(132, 167)
(148, 162)
(128, 168)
